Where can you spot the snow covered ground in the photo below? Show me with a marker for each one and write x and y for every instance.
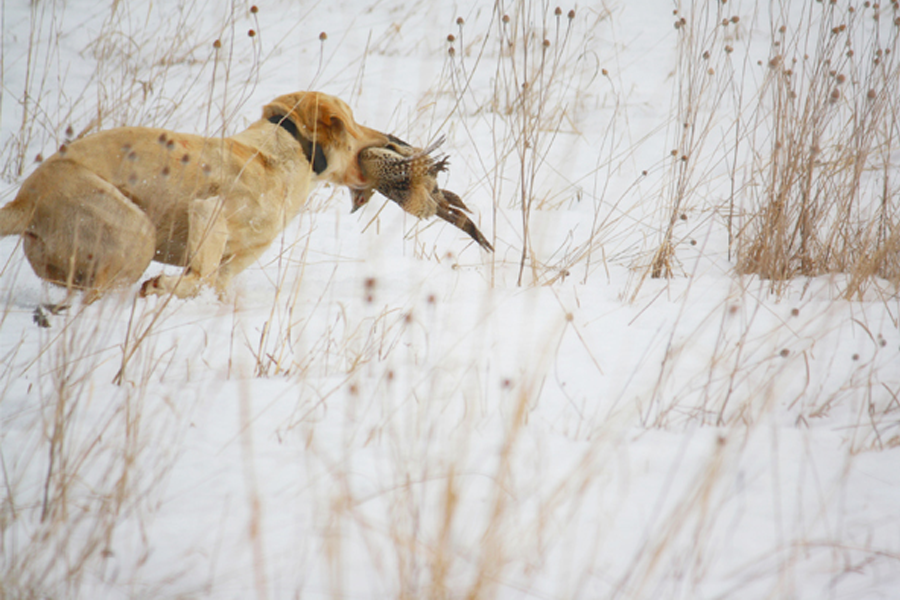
(380, 408)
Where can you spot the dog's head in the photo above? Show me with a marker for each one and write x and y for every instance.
(330, 138)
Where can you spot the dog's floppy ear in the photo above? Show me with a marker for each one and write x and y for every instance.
(330, 118)
(326, 117)
(281, 115)
(313, 152)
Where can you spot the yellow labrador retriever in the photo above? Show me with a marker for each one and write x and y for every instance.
(95, 214)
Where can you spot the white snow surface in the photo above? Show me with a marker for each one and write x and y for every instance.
(377, 409)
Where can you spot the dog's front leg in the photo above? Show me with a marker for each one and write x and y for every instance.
(207, 236)
(236, 263)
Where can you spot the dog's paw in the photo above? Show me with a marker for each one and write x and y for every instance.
(40, 316)
(152, 287)
(181, 286)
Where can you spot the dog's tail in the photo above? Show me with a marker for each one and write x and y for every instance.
(14, 218)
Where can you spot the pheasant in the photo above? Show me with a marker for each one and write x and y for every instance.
(408, 176)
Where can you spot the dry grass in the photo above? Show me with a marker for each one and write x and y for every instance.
(809, 150)
(824, 199)
(703, 71)
(97, 474)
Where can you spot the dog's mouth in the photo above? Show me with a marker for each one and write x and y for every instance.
(361, 193)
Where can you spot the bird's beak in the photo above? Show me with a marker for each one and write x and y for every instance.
(359, 197)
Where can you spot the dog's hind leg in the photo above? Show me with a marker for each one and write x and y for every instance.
(82, 232)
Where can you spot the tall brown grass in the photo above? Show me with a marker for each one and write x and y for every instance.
(824, 196)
